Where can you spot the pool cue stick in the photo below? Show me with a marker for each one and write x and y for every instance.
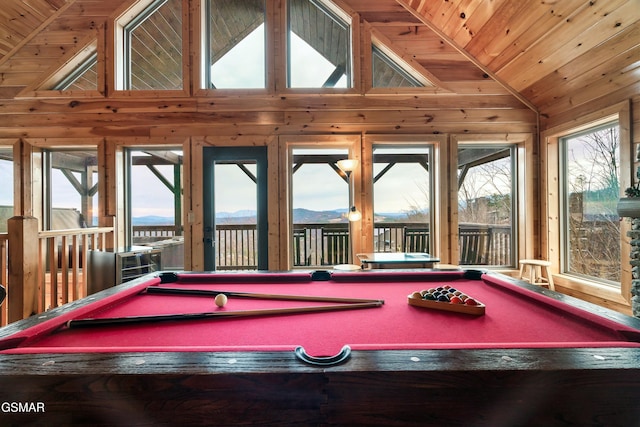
(92, 322)
(208, 292)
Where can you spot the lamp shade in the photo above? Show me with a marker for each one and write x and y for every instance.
(347, 165)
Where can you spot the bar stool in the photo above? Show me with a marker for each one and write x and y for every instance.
(531, 271)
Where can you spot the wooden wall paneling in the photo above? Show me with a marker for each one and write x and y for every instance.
(196, 59)
(366, 202)
(355, 227)
(568, 116)
(460, 29)
(449, 229)
(523, 30)
(259, 104)
(366, 67)
(279, 35)
(455, 20)
(503, 28)
(606, 83)
(189, 62)
(605, 57)
(442, 192)
(189, 175)
(547, 55)
(426, 19)
(275, 200)
(110, 58)
(552, 225)
(285, 240)
(197, 204)
(23, 24)
(529, 195)
(27, 180)
(356, 52)
(23, 253)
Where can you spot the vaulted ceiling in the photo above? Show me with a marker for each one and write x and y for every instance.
(552, 54)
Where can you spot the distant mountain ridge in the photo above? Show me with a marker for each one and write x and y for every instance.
(300, 215)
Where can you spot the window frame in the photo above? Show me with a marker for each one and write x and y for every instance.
(515, 197)
(286, 145)
(524, 174)
(47, 187)
(565, 251)
(430, 150)
(116, 42)
(616, 298)
(439, 227)
(337, 14)
(205, 43)
(387, 57)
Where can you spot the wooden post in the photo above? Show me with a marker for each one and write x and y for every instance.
(22, 289)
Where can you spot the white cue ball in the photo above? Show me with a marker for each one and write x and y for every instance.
(221, 300)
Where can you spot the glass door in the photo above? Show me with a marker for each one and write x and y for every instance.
(235, 208)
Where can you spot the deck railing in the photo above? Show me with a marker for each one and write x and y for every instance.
(62, 254)
(325, 244)
(151, 233)
(59, 268)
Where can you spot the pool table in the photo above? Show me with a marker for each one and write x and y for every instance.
(321, 348)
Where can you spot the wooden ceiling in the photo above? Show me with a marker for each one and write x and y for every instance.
(552, 54)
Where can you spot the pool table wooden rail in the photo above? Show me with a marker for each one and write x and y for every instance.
(403, 387)
(464, 387)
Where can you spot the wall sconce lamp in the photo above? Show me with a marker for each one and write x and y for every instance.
(348, 166)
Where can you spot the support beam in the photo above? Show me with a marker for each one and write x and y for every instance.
(23, 267)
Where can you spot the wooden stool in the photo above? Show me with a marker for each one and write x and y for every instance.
(534, 275)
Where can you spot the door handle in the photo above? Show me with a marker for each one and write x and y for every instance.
(209, 237)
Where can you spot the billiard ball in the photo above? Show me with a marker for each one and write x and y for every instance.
(455, 300)
(221, 300)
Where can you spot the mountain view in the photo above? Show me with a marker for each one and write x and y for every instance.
(304, 216)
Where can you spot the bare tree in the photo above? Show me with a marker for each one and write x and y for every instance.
(593, 188)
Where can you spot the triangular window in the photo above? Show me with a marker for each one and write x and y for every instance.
(153, 48)
(388, 72)
(235, 44)
(319, 45)
(83, 77)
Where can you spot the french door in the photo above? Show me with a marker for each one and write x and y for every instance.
(235, 208)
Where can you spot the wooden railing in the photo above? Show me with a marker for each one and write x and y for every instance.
(61, 263)
(61, 275)
(150, 233)
(236, 247)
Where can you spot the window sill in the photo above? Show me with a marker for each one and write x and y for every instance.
(586, 290)
(594, 292)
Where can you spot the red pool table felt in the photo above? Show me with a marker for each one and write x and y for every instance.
(515, 318)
